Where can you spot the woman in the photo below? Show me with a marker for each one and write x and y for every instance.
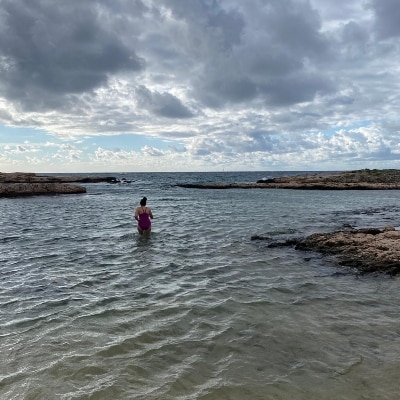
(143, 215)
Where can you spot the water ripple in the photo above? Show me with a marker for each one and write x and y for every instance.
(90, 310)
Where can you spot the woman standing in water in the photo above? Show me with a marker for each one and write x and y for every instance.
(143, 215)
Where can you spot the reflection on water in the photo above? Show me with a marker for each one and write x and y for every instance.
(91, 310)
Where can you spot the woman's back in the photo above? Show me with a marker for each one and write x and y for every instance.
(144, 214)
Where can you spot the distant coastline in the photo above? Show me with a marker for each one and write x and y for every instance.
(364, 179)
(18, 184)
(29, 184)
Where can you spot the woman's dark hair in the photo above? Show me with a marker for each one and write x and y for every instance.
(143, 201)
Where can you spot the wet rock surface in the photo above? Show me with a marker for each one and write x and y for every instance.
(366, 250)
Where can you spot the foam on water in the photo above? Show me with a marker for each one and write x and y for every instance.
(90, 310)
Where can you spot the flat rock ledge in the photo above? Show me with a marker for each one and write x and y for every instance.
(366, 250)
(365, 179)
(29, 184)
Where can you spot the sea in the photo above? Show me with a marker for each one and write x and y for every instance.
(197, 310)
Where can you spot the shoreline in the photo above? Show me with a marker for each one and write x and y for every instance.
(365, 179)
(22, 184)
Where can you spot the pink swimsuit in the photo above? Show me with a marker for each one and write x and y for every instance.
(144, 220)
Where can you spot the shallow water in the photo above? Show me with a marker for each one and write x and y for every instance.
(90, 310)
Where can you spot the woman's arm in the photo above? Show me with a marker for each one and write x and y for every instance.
(137, 214)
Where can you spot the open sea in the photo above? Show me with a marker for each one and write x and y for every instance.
(91, 310)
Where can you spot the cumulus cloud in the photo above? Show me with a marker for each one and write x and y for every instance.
(51, 49)
(161, 104)
(151, 151)
(282, 81)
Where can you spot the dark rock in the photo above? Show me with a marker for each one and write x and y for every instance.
(269, 180)
(258, 237)
(287, 242)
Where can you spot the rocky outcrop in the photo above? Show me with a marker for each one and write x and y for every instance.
(38, 188)
(356, 180)
(365, 179)
(28, 177)
(367, 250)
(30, 184)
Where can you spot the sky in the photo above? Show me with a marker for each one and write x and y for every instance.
(199, 85)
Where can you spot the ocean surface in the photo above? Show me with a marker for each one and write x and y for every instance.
(91, 310)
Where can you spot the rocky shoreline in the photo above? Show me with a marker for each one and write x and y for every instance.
(29, 184)
(365, 179)
(365, 250)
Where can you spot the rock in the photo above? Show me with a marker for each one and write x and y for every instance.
(273, 243)
(38, 188)
(27, 177)
(258, 237)
(365, 179)
(29, 184)
(367, 250)
(88, 179)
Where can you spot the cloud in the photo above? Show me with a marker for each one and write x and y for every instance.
(387, 18)
(51, 49)
(270, 62)
(161, 104)
(20, 149)
(151, 151)
(112, 156)
(273, 82)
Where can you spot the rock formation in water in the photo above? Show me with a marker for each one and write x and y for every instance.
(29, 184)
(370, 179)
(360, 179)
(367, 250)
